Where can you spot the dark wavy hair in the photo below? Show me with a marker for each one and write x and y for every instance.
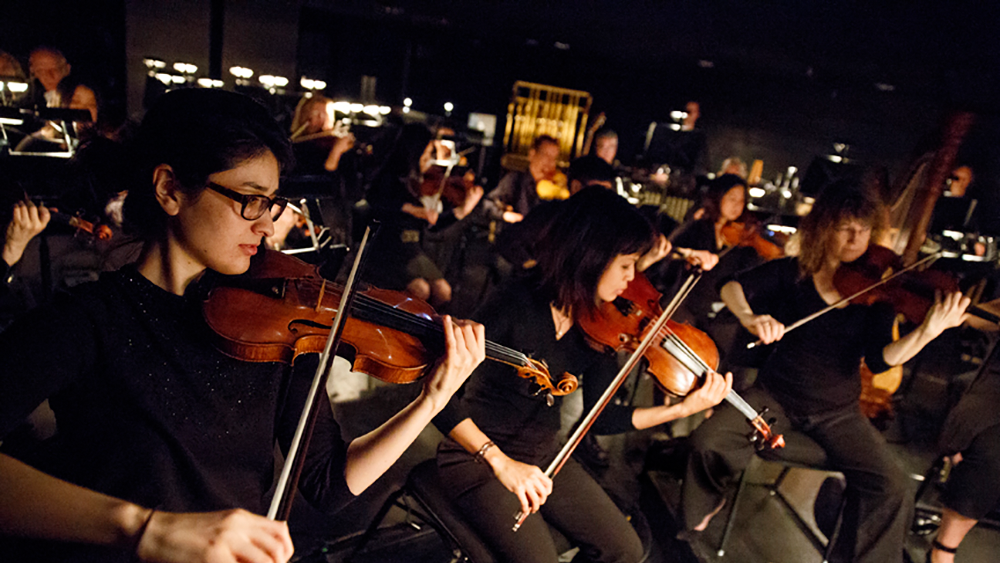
(590, 230)
(197, 132)
(843, 200)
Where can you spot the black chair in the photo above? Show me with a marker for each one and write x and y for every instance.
(432, 505)
(800, 453)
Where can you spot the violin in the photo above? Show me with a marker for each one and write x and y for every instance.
(910, 292)
(747, 234)
(282, 308)
(453, 189)
(98, 231)
(682, 356)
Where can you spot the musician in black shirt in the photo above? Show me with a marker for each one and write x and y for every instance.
(811, 381)
(502, 430)
(164, 450)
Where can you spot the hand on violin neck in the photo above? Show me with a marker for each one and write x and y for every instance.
(465, 349)
(28, 220)
(713, 390)
(661, 248)
(947, 312)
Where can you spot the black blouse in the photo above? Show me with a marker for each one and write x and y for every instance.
(815, 368)
(510, 410)
(149, 411)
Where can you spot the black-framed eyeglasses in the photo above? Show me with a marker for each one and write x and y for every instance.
(253, 207)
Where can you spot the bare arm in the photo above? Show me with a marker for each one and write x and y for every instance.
(528, 482)
(34, 504)
(369, 456)
(944, 314)
(765, 327)
(711, 393)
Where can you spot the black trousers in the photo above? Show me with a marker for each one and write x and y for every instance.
(879, 502)
(973, 489)
(578, 507)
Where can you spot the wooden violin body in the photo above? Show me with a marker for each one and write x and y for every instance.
(748, 234)
(680, 355)
(622, 325)
(282, 308)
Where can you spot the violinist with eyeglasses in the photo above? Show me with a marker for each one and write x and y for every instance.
(165, 444)
(811, 380)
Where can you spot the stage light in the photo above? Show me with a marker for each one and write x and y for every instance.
(678, 115)
(384, 110)
(154, 63)
(371, 110)
(17, 87)
(406, 110)
(185, 68)
(448, 106)
(163, 77)
(342, 107)
(757, 192)
(177, 79)
(240, 72)
(209, 83)
(357, 108)
(407, 102)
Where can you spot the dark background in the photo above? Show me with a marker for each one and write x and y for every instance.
(778, 80)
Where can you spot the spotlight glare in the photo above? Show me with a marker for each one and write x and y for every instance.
(185, 68)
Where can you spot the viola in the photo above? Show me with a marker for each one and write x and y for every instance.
(680, 358)
(911, 293)
(748, 234)
(282, 307)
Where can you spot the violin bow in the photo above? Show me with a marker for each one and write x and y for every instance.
(291, 471)
(588, 421)
(838, 304)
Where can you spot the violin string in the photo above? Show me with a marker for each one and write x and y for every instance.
(732, 397)
(407, 320)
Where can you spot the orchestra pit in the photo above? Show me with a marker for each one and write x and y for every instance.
(366, 281)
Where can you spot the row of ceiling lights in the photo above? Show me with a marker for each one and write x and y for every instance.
(243, 75)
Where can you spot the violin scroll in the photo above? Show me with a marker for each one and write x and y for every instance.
(539, 372)
(763, 437)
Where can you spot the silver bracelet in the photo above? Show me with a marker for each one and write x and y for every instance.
(481, 454)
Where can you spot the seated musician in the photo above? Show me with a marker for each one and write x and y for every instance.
(606, 145)
(724, 205)
(319, 145)
(971, 439)
(811, 380)
(516, 194)
(397, 200)
(502, 431)
(164, 449)
(517, 242)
